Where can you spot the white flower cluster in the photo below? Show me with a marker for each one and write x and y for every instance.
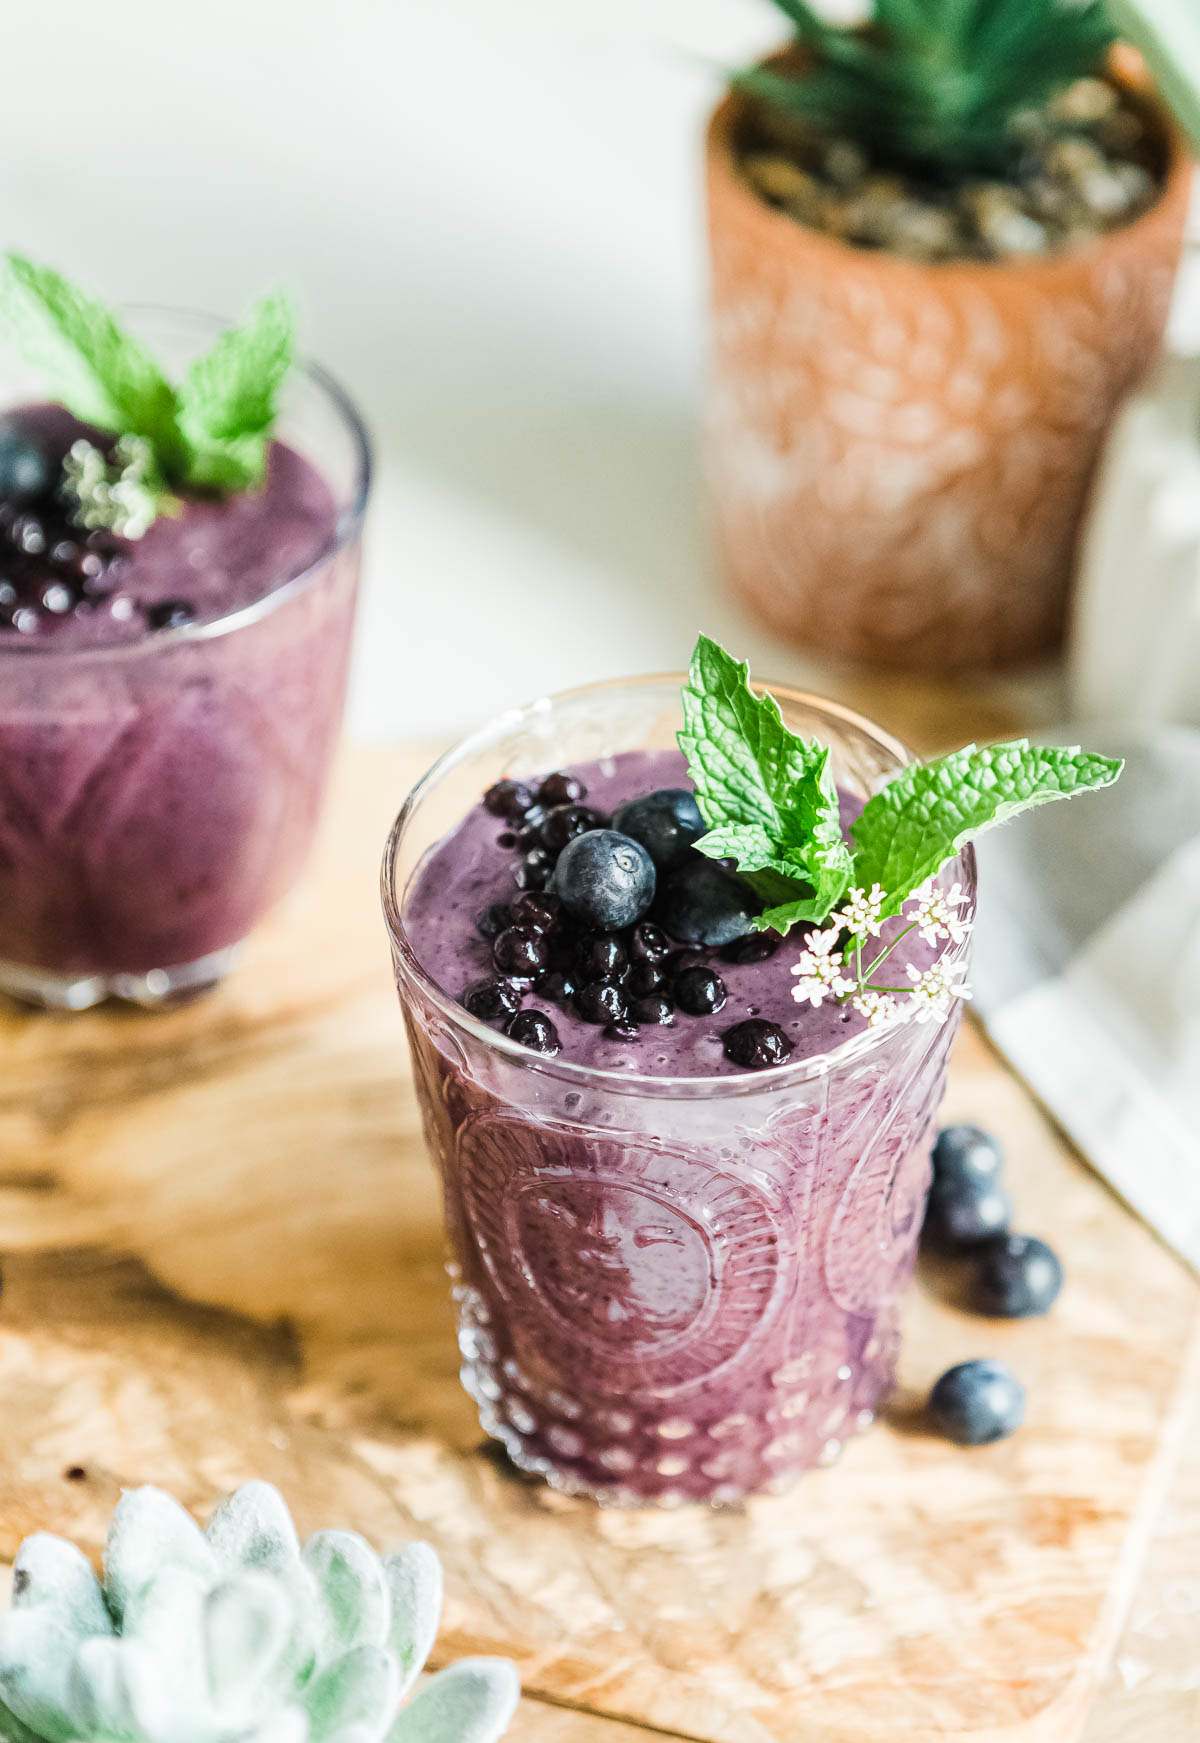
(828, 968)
(116, 495)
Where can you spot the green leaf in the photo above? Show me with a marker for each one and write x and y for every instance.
(101, 373)
(767, 794)
(925, 814)
(471, 1702)
(227, 402)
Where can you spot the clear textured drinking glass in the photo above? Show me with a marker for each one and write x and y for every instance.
(668, 1289)
(158, 796)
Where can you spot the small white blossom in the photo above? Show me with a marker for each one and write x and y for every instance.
(934, 989)
(115, 494)
(936, 917)
(861, 913)
(877, 1008)
(819, 966)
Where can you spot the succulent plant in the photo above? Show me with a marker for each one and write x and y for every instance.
(235, 1634)
(935, 86)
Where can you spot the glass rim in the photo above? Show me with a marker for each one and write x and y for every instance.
(849, 1052)
(348, 528)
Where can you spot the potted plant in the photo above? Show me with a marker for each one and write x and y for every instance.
(943, 247)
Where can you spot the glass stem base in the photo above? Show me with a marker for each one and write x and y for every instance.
(157, 989)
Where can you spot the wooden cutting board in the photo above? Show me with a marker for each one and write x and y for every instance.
(223, 1260)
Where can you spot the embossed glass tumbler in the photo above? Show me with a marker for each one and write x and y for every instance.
(668, 1289)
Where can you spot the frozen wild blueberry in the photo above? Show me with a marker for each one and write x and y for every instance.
(510, 799)
(967, 1216)
(557, 986)
(537, 909)
(600, 956)
(560, 788)
(680, 961)
(529, 832)
(533, 1030)
(520, 950)
(666, 823)
(57, 598)
(491, 1000)
(965, 1157)
(756, 1044)
(700, 992)
(1017, 1275)
(645, 978)
(977, 1402)
(601, 1002)
(754, 947)
(622, 1031)
(564, 823)
(653, 1009)
(495, 917)
(534, 869)
(25, 472)
(701, 904)
(648, 943)
(605, 879)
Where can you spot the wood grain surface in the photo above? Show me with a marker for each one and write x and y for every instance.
(223, 1260)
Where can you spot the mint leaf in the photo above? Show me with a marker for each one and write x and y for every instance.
(767, 794)
(227, 402)
(909, 829)
(98, 371)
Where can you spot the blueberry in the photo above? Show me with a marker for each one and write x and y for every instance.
(977, 1402)
(756, 1044)
(537, 910)
(57, 598)
(25, 472)
(602, 1001)
(490, 1000)
(622, 1030)
(510, 799)
(521, 951)
(701, 904)
(666, 823)
(1017, 1275)
(557, 986)
(530, 832)
(654, 1009)
(564, 823)
(170, 614)
(561, 788)
(605, 879)
(600, 956)
(648, 943)
(967, 1216)
(680, 961)
(754, 947)
(645, 978)
(495, 917)
(534, 869)
(965, 1157)
(534, 1030)
(700, 992)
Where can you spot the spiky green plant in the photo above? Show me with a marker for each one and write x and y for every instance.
(234, 1635)
(934, 86)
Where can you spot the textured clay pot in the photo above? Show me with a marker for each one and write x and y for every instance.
(900, 454)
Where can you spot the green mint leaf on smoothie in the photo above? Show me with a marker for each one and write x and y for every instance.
(227, 401)
(767, 794)
(927, 812)
(98, 371)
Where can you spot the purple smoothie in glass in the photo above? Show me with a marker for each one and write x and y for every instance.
(167, 720)
(676, 1279)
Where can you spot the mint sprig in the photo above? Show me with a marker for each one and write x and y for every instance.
(770, 800)
(208, 434)
(767, 795)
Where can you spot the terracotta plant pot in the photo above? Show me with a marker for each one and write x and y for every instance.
(900, 454)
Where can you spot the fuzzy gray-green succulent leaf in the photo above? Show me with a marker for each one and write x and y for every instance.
(254, 1529)
(247, 1625)
(149, 1531)
(360, 1688)
(471, 1702)
(36, 1655)
(414, 1577)
(352, 1591)
(52, 1573)
(116, 1690)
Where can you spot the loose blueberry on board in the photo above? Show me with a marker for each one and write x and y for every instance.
(600, 956)
(666, 823)
(534, 1030)
(519, 950)
(654, 1009)
(965, 1158)
(25, 472)
(756, 1044)
(1017, 1276)
(701, 904)
(967, 1216)
(601, 1002)
(700, 992)
(606, 879)
(561, 788)
(564, 823)
(977, 1403)
(510, 799)
(492, 1000)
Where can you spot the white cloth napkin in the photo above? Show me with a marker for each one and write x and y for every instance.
(1087, 969)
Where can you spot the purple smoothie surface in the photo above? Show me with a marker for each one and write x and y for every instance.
(471, 868)
(215, 556)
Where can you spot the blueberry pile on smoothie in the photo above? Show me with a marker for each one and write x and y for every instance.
(576, 914)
